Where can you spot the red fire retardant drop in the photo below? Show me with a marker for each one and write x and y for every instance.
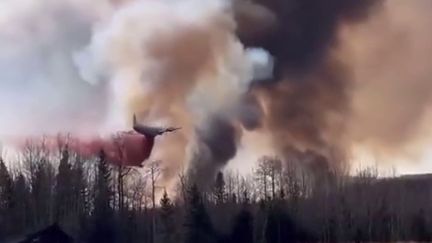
(125, 148)
(130, 148)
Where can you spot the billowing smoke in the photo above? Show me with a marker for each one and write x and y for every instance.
(341, 69)
(71, 67)
(309, 102)
(178, 63)
(38, 80)
(350, 75)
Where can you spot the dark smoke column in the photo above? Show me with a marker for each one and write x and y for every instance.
(309, 100)
(217, 144)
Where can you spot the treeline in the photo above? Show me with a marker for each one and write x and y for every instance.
(279, 202)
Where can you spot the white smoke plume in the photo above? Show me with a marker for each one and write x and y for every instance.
(182, 48)
(40, 88)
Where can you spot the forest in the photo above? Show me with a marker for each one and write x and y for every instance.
(94, 201)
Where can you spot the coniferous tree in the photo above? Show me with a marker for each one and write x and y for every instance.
(383, 218)
(419, 228)
(167, 228)
(6, 187)
(6, 199)
(198, 227)
(42, 185)
(243, 227)
(102, 218)
(355, 210)
(63, 188)
(21, 210)
(81, 198)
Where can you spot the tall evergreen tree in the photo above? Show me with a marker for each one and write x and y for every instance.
(419, 228)
(80, 193)
(42, 185)
(102, 223)
(167, 229)
(198, 225)
(6, 199)
(64, 188)
(21, 210)
(281, 227)
(243, 227)
(6, 187)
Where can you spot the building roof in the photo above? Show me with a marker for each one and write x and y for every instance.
(51, 234)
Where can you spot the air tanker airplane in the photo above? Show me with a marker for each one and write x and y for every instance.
(134, 147)
(129, 148)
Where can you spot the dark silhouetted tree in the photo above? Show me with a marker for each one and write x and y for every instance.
(6, 199)
(42, 187)
(81, 196)
(21, 210)
(64, 188)
(419, 227)
(281, 227)
(167, 222)
(198, 227)
(102, 223)
(243, 227)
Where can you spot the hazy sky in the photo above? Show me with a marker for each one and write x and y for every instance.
(45, 88)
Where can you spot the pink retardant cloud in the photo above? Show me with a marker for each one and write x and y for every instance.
(123, 148)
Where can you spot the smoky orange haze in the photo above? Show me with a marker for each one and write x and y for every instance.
(189, 70)
(348, 74)
(120, 149)
(390, 55)
(372, 93)
(367, 95)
